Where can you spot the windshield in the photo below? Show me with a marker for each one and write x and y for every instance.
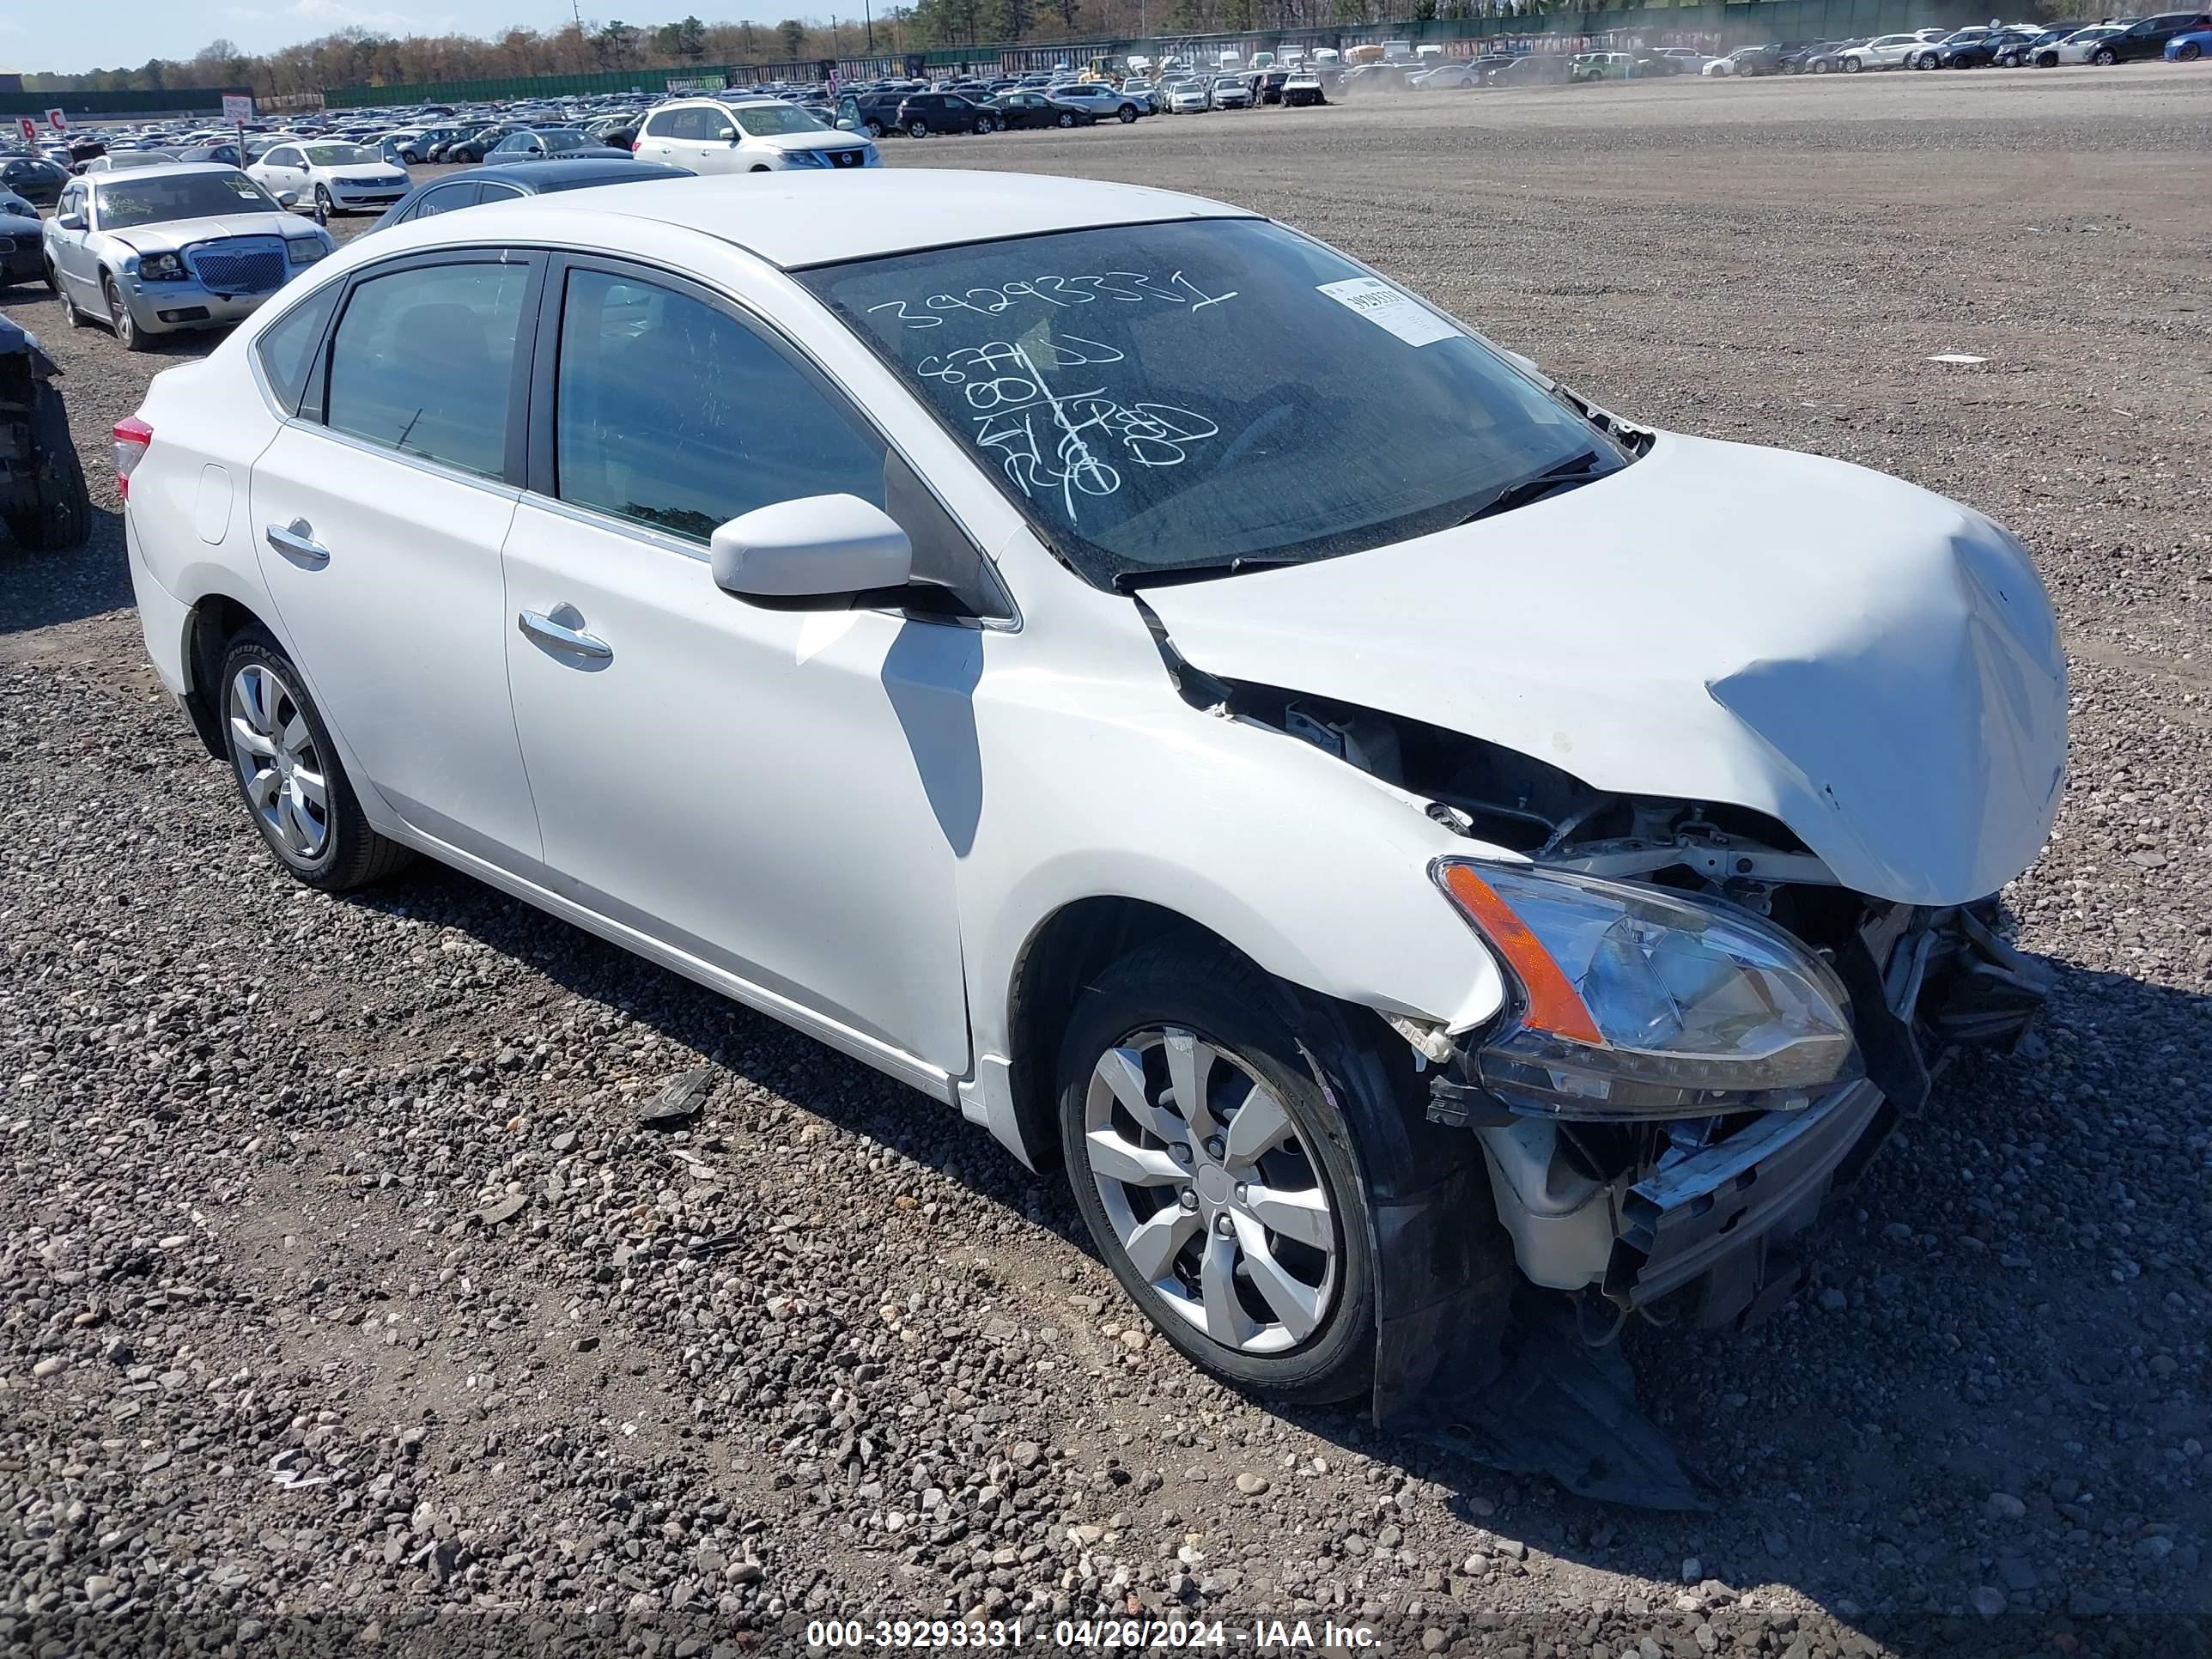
(1157, 396)
(767, 120)
(340, 156)
(181, 195)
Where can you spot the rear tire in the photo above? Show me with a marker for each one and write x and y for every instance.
(2104, 57)
(874, 128)
(917, 128)
(1296, 1318)
(2188, 53)
(60, 515)
(262, 702)
(1852, 66)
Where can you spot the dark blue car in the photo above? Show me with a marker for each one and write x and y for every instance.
(519, 178)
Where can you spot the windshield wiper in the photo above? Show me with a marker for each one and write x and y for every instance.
(1128, 581)
(1569, 474)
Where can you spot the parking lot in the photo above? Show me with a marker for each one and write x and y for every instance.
(833, 1353)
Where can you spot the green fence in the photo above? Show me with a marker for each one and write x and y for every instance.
(1726, 22)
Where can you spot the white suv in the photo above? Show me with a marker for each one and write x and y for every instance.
(1389, 828)
(1883, 51)
(747, 134)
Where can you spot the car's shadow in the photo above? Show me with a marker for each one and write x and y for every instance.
(1970, 1395)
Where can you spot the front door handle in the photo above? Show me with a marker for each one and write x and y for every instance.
(562, 636)
(296, 541)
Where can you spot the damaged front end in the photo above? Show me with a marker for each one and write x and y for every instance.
(1695, 1058)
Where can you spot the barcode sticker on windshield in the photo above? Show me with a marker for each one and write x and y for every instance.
(1384, 307)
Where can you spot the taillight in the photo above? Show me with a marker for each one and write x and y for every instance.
(132, 437)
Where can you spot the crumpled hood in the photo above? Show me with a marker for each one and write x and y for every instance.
(1871, 664)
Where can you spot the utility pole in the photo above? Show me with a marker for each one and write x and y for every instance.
(868, 14)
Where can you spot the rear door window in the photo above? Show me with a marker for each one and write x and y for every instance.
(424, 361)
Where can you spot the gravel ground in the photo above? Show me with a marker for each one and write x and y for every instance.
(340, 1287)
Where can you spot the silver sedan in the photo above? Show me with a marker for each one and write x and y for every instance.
(155, 250)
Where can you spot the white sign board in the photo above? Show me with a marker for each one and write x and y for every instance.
(57, 120)
(237, 107)
(30, 130)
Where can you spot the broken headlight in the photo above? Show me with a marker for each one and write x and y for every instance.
(1642, 1002)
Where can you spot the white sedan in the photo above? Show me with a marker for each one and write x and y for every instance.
(330, 178)
(1389, 827)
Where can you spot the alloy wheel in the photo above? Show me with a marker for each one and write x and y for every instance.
(1211, 1191)
(119, 318)
(277, 761)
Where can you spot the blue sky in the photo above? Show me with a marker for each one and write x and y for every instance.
(71, 35)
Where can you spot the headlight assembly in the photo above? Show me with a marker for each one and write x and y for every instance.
(161, 268)
(306, 250)
(1636, 1001)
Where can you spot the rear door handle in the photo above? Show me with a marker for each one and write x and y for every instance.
(561, 637)
(296, 541)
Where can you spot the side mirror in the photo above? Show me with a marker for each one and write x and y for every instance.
(70, 220)
(847, 124)
(816, 547)
(287, 198)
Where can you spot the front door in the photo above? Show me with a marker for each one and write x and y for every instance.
(781, 794)
(73, 259)
(377, 519)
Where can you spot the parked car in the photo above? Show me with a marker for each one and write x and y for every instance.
(33, 178)
(1532, 68)
(1146, 95)
(521, 179)
(1108, 103)
(156, 249)
(1190, 97)
(1304, 89)
(1992, 46)
(227, 153)
(2147, 38)
(2188, 47)
(1747, 61)
(472, 147)
(2077, 48)
(875, 114)
(1035, 109)
(1597, 981)
(21, 236)
(1883, 51)
(431, 143)
(43, 500)
(2026, 49)
(1231, 92)
(921, 114)
(122, 161)
(747, 134)
(546, 144)
(1456, 76)
(330, 176)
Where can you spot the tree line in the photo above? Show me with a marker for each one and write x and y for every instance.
(361, 57)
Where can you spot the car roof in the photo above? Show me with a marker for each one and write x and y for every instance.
(795, 219)
(166, 170)
(591, 169)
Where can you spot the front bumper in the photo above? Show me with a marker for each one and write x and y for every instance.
(1698, 1225)
(171, 307)
(352, 199)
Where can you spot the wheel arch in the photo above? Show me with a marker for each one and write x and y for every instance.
(214, 621)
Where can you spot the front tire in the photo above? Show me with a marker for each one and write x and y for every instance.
(324, 206)
(2188, 53)
(1066, 117)
(288, 773)
(1217, 1179)
(1126, 114)
(1852, 66)
(128, 334)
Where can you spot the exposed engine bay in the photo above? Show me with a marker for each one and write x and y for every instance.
(1668, 1211)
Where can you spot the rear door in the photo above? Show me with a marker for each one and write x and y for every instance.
(378, 514)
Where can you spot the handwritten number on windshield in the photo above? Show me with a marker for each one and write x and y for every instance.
(1061, 293)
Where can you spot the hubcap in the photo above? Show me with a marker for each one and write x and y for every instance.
(1211, 1190)
(277, 761)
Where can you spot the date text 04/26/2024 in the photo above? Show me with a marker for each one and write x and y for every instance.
(1124, 1634)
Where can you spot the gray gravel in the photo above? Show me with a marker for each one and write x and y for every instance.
(341, 1283)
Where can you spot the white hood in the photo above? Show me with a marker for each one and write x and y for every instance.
(1873, 664)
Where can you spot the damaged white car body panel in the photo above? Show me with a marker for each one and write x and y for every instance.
(1870, 663)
